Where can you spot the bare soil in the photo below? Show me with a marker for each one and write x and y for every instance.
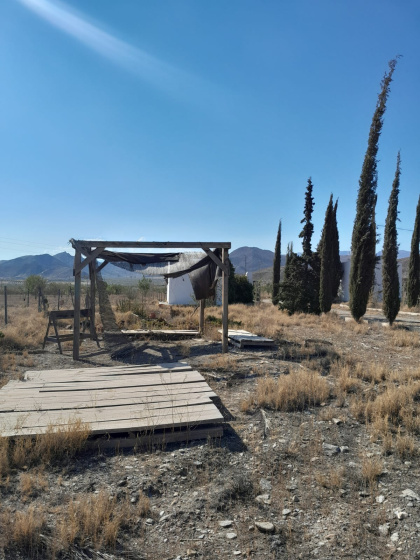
(301, 471)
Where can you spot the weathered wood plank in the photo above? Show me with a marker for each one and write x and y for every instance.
(164, 400)
(152, 244)
(148, 440)
(161, 418)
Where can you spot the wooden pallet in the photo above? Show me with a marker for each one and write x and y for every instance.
(165, 398)
(241, 338)
(161, 333)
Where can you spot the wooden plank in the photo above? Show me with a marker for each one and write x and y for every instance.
(166, 378)
(84, 396)
(68, 313)
(152, 244)
(100, 413)
(90, 257)
(216, 260)
(138, 425)
(110, 369)
(103, 376)
(166, 332)
(201, 320)
(147, 440)
(37, 423)
(28, 405)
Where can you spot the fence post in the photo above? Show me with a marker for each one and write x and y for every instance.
(27, 301)
(39, 300)
(58, 302)
(5, 305)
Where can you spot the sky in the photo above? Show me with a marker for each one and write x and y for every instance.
(190, 120)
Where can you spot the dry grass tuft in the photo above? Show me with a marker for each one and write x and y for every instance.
(372, 468)
(332, 479)
(292, 392)
(57, 443)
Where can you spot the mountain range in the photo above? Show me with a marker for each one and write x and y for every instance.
(59, 267)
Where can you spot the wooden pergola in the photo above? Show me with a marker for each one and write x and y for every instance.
(92, 250)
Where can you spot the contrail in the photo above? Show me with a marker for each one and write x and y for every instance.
(157, 73)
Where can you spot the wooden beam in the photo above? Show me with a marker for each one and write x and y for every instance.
(90, 257)
(225, 289)
(201, 324)
(77, 288)
(101, 266)
(216, 260)
(87, 244)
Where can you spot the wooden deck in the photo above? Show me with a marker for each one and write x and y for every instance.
(244, 338)
(144, 399)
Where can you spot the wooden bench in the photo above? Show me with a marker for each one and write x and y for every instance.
(53, 316)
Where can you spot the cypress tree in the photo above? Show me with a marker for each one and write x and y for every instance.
(337, 266)
(413, 282)
(325, 251)
(308, 228)
(363, 243)
(390, 280)
(276, 268)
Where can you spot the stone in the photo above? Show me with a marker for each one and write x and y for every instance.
(344, 449)
(225, 523)
(380, 499)
(330, 449)
(231, 536)
(395, 537)
(384, 529)
(263, 499)
(400, 514)
(410, 494)
(264, 526)
(286, 511)
(149, 521)
(265, 484)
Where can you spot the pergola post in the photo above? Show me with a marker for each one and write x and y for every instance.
(77, 288)
(92, 276)
(225, 289)
(201, 321)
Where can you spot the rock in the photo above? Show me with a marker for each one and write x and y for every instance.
(364, 494)
(384, 529)
(286, 511)
(344, 449)
(237, 552)
(410, 494)
(395, 537)
(225, 523)
(264, 526)
(263, 499)
(330, 449)
(380, 499)
(149, 521)
(231, 536)
(337, 421)
(265, 485)
(400, 514)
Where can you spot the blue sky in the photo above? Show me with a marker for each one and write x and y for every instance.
(191, 120)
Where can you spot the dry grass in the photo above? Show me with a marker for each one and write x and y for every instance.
(333, 478)
(372, 468)
(222, 362)
(404, 339)
(57, 443)
(26, 329)
(292, 392)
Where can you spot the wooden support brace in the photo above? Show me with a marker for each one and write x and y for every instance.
(90, 258)
(216, 260)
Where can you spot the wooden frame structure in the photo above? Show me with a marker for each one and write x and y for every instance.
(91, 250)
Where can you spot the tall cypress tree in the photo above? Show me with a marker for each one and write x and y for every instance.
(390, 280)
(325, 251)
(337, 266)
(277, 268)
(363, 243)
(308, 228)
(413, 282)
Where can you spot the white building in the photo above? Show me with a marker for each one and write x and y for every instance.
(377, 287)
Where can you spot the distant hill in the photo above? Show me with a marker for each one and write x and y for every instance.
(52, 267)
(251, 257)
